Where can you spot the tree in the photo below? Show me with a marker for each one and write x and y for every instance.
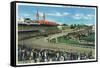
(28, 20)
(71, 26)
(90, 38)
(75, 25)
(64, 24)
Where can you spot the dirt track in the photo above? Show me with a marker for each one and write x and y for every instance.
(42, 43)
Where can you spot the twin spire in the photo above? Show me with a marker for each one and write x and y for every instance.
(38, 16)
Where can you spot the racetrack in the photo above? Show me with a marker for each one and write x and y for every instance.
(42, 43)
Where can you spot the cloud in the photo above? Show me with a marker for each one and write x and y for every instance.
(57, 14)
(40, 14)
(54, 14)
(26, 15)
(89, 24)
(79, 16)
(89, 16)
(65, 13)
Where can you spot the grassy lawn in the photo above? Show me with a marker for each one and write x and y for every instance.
(73, 42)
(69, 41)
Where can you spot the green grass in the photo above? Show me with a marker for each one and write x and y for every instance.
(90, 38)
(65, 40)
(72, 42)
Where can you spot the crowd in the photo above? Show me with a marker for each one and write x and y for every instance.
(46, 55)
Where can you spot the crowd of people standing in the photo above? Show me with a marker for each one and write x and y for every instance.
(35, 55)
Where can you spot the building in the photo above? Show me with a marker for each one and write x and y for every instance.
(20, 20)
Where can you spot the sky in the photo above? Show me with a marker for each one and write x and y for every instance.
(60, 15)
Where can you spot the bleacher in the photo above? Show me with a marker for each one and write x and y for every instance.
(31, 30)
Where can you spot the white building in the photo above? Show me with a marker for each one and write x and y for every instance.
(20, 20)
(93, 27)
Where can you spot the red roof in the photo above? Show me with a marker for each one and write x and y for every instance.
(46, 22)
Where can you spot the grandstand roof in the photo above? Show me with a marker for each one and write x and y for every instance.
(47, 22)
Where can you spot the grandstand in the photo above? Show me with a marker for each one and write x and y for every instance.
(26, 30)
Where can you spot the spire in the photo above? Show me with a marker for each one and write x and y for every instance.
(44, 17)
(37, 15)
